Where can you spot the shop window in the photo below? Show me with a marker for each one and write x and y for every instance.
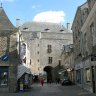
(3, 76)
(88, 77)
(78, 76)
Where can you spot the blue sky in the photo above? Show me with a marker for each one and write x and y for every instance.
(56, 11)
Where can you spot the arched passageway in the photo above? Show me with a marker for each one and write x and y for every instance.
(48, 70)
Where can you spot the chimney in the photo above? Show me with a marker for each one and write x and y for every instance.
(17, 23)
(1, 5)
(68, 26)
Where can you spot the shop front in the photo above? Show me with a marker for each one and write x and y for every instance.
(79, 74)
(87, 75)
(3, 78)
(24, 78)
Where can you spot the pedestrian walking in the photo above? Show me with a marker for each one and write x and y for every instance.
(42, 81)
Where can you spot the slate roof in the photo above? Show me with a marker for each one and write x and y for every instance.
(5, 23)
(43, 27)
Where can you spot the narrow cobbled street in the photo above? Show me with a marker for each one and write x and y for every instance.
(51, 90)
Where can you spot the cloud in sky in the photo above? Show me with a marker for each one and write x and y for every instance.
(33, 6)
(50, 16)
(6, 0)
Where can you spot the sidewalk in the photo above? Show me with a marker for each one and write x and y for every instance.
(74, 89)
(52, 90)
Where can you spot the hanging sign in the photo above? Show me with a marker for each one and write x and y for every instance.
(5, 58)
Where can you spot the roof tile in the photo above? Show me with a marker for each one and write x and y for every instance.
(5, 23)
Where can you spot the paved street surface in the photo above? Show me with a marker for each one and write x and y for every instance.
(52, 90)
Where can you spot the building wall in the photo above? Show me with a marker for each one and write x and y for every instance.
(89, 31)
(78, 22)
(67, 60)
(85, 68)
(8, 47)
(40, 43)
(76, 36)
(90, 4)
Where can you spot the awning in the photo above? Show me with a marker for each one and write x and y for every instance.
(21, 70)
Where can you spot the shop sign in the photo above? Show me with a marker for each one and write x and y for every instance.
(5, 58)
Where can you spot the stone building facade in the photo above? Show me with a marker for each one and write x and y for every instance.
(85, 67)
(79, 20)
(14, 57)
(45, 41)
(8, 54)
(67, 60)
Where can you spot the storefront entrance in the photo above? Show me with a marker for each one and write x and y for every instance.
(93, 78)
(4, 79)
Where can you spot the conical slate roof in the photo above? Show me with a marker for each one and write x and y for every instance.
(5, 23)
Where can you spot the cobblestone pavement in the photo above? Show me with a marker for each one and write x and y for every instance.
(52, 90)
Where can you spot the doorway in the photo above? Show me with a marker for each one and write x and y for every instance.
(93, 78)
(48, 70)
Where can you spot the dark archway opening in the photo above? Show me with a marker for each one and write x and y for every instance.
(48, 70)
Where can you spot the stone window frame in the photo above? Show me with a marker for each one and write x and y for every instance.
(50, 59)
(49, 48)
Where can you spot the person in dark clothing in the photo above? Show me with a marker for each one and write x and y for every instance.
(42, 82)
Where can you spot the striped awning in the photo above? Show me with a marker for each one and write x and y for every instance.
(21, 70)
